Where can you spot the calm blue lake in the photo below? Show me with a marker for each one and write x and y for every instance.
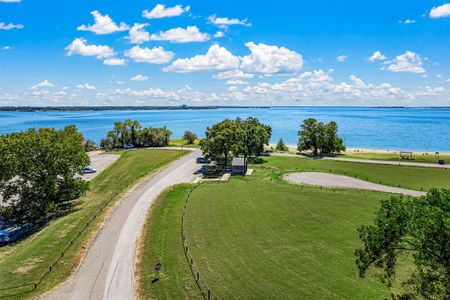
(426, 129)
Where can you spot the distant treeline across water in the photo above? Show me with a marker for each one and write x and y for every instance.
(421, 129)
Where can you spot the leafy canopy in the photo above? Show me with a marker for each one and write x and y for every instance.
(415, 227)
(237, 137)
(39, 173)
(320, 137)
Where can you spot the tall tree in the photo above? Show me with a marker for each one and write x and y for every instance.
(239, 137)
(256, 135)
(317, 136)
(414, 228)
(220, 140)
(190, 137)
(39, 173)
(309, 136)
(133, 127)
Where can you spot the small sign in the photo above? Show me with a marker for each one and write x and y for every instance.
(158, 266)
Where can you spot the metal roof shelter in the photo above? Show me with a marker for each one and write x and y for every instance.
(239, 165)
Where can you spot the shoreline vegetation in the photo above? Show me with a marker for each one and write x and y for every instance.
(106, 108)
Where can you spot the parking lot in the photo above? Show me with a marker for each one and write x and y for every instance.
(100, 161)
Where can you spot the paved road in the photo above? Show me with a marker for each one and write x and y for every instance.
(107, 270)
(341, 181)
(372, 161)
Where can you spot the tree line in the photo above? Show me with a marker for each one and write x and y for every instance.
(132, 133)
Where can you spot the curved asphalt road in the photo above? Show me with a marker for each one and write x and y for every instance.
(107, 270)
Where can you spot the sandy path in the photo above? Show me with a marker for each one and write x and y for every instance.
(340, 181)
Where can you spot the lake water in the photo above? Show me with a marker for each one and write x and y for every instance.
(425, 129)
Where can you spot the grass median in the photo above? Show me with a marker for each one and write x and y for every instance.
(25, 261)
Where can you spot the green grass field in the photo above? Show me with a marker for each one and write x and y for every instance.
(261, 238)
(25, 261)
(183, 143)
(415, 178)
(417, 157)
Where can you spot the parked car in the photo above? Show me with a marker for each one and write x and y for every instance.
(5, 236)
(202, 160)
(88, 170)
(128, 146)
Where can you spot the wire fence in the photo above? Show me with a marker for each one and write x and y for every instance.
(13, 290)
(205, 290)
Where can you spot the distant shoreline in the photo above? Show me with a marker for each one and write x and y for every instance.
(181, 107)
(105, 108)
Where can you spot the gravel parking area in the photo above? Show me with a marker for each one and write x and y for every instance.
(100, 161)
(340, 181)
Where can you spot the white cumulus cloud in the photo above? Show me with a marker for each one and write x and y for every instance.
(139, 78)
(103, 24)
(137, 34)
(4, 26)
(440, 11)
(85, 86)
(217, 58)
(42, 84)
(181, 35)
(156, 55)
(237, 82)
(160, 11)
(219, 34)
(233, 74)
(408, 21)
(341, 58)
(114, 62)
(407, 62)
(377, 55)
(79, 46)
(226, 22)
(271, 60)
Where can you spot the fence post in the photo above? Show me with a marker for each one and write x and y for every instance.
(209, 294)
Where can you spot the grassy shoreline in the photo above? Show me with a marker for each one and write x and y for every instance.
(27, 260)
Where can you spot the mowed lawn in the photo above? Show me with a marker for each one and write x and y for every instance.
(261, 238)
(417, 157)
(25, 261)
(415, 178)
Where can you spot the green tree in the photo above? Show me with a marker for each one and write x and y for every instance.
(418, 228)
(281, 146)
(317, 136)
(39, 173)
(238, 137)
(89, 145)
(310, 136)
(220, 140)
(190, 137)
(132, 128)
(255, 136)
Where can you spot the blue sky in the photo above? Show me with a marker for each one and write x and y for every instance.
(224, 53)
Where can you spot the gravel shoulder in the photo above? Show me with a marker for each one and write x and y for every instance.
(341, 181)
